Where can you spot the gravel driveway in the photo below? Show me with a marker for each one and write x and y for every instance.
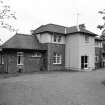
(54, 88)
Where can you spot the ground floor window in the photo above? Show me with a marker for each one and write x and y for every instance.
(36, 54)
(84, 62)
(57, 58)
(2, 59)
(20, 58)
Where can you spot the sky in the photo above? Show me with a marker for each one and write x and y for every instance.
(33, 13)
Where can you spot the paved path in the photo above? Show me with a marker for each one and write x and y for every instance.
(55, 88)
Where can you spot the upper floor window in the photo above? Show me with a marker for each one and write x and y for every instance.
(57, 38)
(20, 58)
(87, 38)
(57, 58)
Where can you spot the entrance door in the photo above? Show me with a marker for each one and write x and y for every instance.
(84, 62)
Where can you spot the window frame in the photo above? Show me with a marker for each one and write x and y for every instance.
(57, 58)
(36, 54)
(84, 62)
(1, 59)
(21, 55)
(57, 38)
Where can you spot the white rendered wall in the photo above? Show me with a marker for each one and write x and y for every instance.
(71, 51)
(87, 49)
(77, 47)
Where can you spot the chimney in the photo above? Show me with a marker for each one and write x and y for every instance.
(82, 26)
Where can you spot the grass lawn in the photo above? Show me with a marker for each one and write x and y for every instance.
(55, 88)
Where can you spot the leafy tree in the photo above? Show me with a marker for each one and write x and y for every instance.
(6, 13)
(102, 26)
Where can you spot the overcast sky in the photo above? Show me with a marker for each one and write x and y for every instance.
(33, 13)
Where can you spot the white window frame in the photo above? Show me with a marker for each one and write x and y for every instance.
(36, 54)
(84, 61)
(57, 58)
(57, 38)
(20, 54)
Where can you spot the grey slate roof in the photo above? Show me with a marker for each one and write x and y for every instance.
(21, 41)
(62, 29)
(50, 28)
(74, 29)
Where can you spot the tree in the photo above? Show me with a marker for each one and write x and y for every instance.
(102, 26)
(6, 14)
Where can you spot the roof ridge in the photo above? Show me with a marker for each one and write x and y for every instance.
(41, 26)
(55, 25)
(72, 26)
(62, 29)
(22, 34)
